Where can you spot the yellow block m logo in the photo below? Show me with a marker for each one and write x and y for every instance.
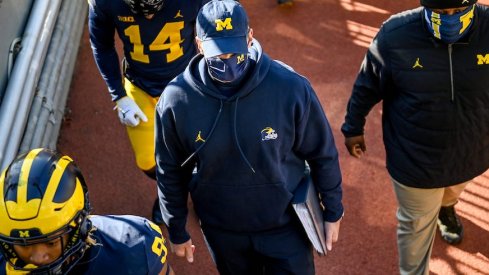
(24, 234)
(483, 59)
(221, 25)
(240, 58)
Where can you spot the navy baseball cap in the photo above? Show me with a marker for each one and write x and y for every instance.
(446, 4)
(222, 26)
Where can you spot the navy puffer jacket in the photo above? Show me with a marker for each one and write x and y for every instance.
(435, 100)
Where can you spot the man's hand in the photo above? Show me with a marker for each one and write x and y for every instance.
(129, 112)
(185, 249)
(332, 233)
(356, 145)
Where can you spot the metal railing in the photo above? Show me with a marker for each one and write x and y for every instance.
(33, 106)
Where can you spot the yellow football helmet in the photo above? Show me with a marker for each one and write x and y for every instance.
(44, 196)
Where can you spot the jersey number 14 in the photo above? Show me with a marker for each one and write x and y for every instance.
(169, 38)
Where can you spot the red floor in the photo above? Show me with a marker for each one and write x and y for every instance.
(325, 40)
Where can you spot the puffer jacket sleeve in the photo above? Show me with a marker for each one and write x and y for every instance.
(367, 90)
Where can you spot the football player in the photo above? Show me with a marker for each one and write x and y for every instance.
(46, 227)
(157, 38)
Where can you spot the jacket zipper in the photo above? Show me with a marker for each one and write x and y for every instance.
(451, 71)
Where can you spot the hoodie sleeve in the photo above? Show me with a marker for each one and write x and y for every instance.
(102, 30)
(366, 90)
(315, 143)
(172, 179)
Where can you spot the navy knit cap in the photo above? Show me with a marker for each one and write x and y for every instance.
(446, 4)
(222, 26)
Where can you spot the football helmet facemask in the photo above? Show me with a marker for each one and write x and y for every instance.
(145, 7)
(44, 196)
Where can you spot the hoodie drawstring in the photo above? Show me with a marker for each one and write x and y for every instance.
(218, 116)
(208, 137)
(236, 136)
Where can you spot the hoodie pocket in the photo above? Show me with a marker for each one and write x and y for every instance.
(242, 208)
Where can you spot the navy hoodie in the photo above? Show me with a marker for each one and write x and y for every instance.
(248, 148)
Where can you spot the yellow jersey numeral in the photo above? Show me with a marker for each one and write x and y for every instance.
(158, 246)
(169, 38)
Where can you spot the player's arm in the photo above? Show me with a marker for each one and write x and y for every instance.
(102, 29)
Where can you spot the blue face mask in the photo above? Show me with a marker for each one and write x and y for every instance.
(227, 70)
(449, 28)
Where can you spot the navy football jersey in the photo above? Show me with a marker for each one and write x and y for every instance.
(156, 50)
(125, 245)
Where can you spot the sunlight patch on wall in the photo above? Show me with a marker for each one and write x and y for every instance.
(350, 5)
(297, 35)
(474, 201)
(471, 264)
(362, 34)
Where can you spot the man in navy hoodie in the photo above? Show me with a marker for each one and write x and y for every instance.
(247, 124)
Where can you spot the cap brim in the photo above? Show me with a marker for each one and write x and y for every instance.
(224, 45)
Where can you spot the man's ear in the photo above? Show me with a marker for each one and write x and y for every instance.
(199, 45)
(250, 37)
